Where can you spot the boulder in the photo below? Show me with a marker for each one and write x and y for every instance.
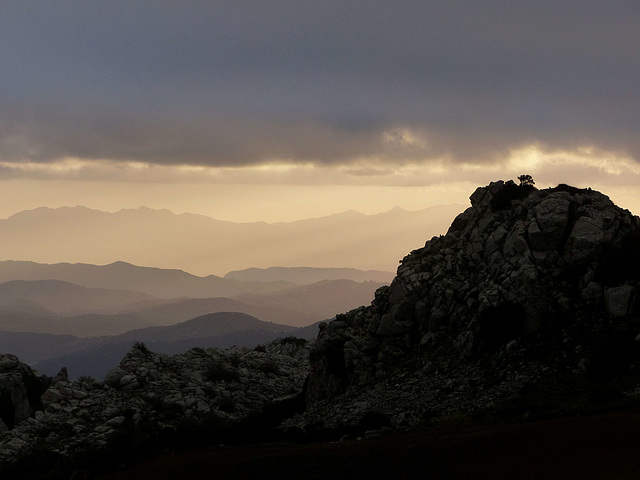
(20, 390)
(618, 300)
(552, 218)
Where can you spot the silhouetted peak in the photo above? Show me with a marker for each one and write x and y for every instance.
(525, 281)
(348, 214)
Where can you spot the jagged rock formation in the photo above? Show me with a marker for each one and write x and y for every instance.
(525, 283)
(20, 391)
(149, 395)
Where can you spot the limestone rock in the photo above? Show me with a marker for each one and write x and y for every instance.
(585, 240)
(619, 300)
(20, 390)
(552, 217)
(147, 395)
(516, 268)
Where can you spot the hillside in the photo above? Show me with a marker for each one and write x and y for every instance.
(210, 325)
(87, 325)
(178, 310)
(95, 356)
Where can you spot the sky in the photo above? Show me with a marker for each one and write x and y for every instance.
(279, 110)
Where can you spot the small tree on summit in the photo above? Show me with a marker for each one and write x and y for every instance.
(526, 180)
(510, 191)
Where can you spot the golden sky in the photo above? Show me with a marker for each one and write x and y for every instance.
(282, 193)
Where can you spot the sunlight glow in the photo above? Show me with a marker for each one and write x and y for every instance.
(586, 164)
(286, 191)
(535, 159)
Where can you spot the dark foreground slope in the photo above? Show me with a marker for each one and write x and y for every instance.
(601, 446)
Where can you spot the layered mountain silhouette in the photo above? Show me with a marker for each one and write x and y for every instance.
(96, 356)
(64, 298)
(55, 324)
(55, 306)
(158, 282)
(203, 245)
(308, 275)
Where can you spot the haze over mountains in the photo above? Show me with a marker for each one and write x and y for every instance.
(308, 275)
(52, 323)
(161, 283)
(203, 246)
(59, 307)
(96, 356)
(170, 296)
(64, 298)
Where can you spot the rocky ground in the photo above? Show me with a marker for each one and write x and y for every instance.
(149, 399)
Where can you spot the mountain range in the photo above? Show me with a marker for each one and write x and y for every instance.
(308, 275)
(158, 282)
(94, 357)
(54, 323)
(204, 246)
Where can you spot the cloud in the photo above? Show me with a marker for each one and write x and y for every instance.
(365, 84)
(586, 167)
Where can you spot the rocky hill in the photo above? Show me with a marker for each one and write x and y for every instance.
(150, 399)
(526, 309)
(527, 306)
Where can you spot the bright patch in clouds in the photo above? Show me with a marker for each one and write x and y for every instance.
(584, 165)
(281, 191)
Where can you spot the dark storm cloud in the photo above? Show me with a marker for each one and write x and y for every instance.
(239, 82)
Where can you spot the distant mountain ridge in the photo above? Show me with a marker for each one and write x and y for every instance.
(161, 283)
(211, 325)
(309, 275)
(65, 298)
(57, 307)
(157, 296)
(203, 245)
(324, 297)
(95, 356)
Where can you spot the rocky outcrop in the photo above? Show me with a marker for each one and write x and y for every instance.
(20, 391)
(149, 396)
(522, 280)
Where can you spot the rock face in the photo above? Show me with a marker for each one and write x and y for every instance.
(147, 396)
(525, 282)
(20, 391)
